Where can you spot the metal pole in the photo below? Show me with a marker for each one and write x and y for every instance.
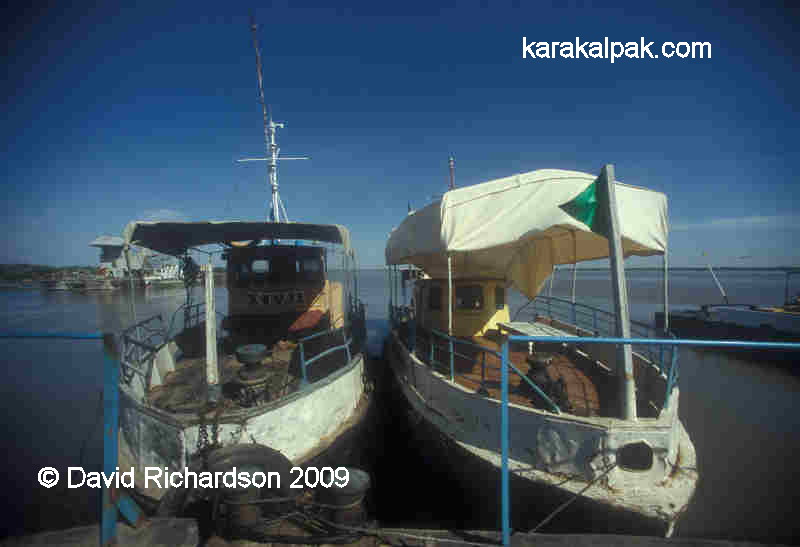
(574, 264)
(719, 285)
(132, 296)
(108, 527)
(212, 370)
(505, 501)
(449, 295)
(666, 291)
(452, 163)
(606, 190)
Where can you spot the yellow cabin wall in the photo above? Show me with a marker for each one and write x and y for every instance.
(466, 323)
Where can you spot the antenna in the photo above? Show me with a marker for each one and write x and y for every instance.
(273, 152)
(452, 163)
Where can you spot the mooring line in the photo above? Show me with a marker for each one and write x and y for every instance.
(573, 498)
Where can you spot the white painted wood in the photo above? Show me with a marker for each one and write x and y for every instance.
(449, 295)
(297, 425)
(623, 323)
(666, 291)
(212, 368)
(545, 447)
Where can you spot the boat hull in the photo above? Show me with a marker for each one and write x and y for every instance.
(315, 426)
(443, 427)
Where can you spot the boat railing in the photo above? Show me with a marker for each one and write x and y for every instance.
(114, 502)
(403, 316)
(357, 333)
(592, 321)
(305, 363)
(505, 503)
(139, 344)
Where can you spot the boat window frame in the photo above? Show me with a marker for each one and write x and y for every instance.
(480, 300)
(499, 303)
(435, 304)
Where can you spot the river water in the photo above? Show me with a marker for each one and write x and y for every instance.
(741, 415)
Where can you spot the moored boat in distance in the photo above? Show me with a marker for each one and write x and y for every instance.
(589, 423)
(744, 322)
(168, 275)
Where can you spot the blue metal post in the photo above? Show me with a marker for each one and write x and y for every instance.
(108, 528)
(505, 502)
(304, 381)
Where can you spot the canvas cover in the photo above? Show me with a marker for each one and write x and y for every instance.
(514, 229)
(174, 238)
(107, 241)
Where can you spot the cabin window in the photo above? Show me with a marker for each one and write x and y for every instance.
(469, 297)
(499, 297)
(260, 266)
(283, 270)
(435, 298)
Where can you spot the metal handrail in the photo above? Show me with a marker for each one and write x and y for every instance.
(120, 502)
(505, 503)
(452, 341)
(305, 363)
(544, 305)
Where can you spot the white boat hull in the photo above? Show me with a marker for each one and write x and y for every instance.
(547, 449)
(301, 426)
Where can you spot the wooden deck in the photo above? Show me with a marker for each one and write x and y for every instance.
(183, 389)
(586, 388)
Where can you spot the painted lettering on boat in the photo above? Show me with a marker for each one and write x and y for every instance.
(276, 298)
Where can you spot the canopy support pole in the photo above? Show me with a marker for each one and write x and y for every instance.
(666, 291)
(605, 183)
(132, 288)
(449, 295)
(574, 264)
(212, 371)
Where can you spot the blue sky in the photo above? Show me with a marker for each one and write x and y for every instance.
(116, 114)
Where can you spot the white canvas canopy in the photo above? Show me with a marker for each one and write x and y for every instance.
(513, 229)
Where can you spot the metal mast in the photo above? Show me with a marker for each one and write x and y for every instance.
(272, 149)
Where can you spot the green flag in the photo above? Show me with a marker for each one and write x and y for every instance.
(590, 207)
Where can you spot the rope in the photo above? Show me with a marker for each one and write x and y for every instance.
(380, 532)
(329, 532)
(572, 499)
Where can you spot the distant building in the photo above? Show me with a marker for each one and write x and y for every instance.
(112, 260)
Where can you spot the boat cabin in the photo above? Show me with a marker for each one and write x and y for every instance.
(478, 305)
(282, 286)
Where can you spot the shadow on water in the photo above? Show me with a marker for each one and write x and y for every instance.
(742, 418)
